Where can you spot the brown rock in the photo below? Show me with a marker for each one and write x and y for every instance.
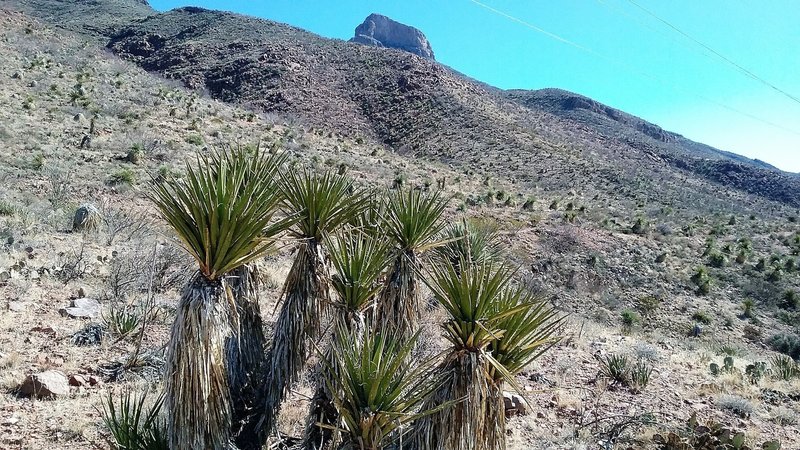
(514, 404)
(48, 384)
(78, 380)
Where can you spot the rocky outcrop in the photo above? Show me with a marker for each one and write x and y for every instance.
(381, 31)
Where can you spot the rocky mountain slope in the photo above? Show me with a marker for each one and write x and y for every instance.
(415, 105)
(651, 261)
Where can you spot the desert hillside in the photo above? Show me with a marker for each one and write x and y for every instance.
(678, 256)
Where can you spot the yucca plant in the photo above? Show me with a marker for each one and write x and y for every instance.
(359, 260)
(495, 329)
(222, 211)
(323, 203)
(412, 222)
(469, 294)
(377, 392)
(469, 240)
(135, 423)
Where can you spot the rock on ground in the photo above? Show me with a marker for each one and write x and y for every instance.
(51, 383)
(84, 308)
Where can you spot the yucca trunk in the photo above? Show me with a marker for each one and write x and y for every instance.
(246, 360)
(298, 323)
(322, 415)
(471, 423)
(197, 396)
(398, 308)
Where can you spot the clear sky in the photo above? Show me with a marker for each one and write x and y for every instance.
(621, 55)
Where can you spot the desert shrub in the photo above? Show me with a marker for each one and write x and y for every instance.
(529, 205)
(86, 218)
(640, 226)
(135, 154)
(775, 275)
(640, 374)
(735, 404)
(194, 139)
(649, 304)
(702, 280)
(123, 318)
(784, 416)
(135, 423)
(122, 176)
(629, 318)
(7, 209)
(645, 352)
(717, 259)
(38, 161)
(615, 367)
(702, 317)
(790, 300)
(784, 367)
(747, 308)
(786, 343)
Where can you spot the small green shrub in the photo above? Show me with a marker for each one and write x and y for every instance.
(701, 317)
(122, 176)
(784, 367)
(38, 161)
(786, 343)
(716, 259)
(135, 423)
(615, 367)
(7, 209)
(123, 319)
(629, 318)
(790, 300)
(640, 375)
(529, 205)
(735, 404)
(747, 308)
(194, 139)
(135, 154)
(640, 226)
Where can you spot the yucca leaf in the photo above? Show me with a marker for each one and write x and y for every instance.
(222, 209)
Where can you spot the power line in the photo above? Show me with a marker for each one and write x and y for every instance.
(739, 67)
(629, 67)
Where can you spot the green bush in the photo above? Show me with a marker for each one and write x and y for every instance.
(194, 139)
(717, 259)
(7, 209)
(122, 176)
(784, 367)
(135, 423)
(786, 343)
(615, 367)
(629, 318)
(701, 317)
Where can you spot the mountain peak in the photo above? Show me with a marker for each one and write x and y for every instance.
(380, 31)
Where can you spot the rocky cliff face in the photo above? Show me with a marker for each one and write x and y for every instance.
(381, 31)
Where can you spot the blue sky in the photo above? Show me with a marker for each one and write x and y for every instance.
(627, 58)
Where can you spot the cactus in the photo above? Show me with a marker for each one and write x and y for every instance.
(728, 364)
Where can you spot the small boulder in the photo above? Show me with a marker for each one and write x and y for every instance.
(78, 380)
(83, 308)
(514, 404)
(48, 384)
